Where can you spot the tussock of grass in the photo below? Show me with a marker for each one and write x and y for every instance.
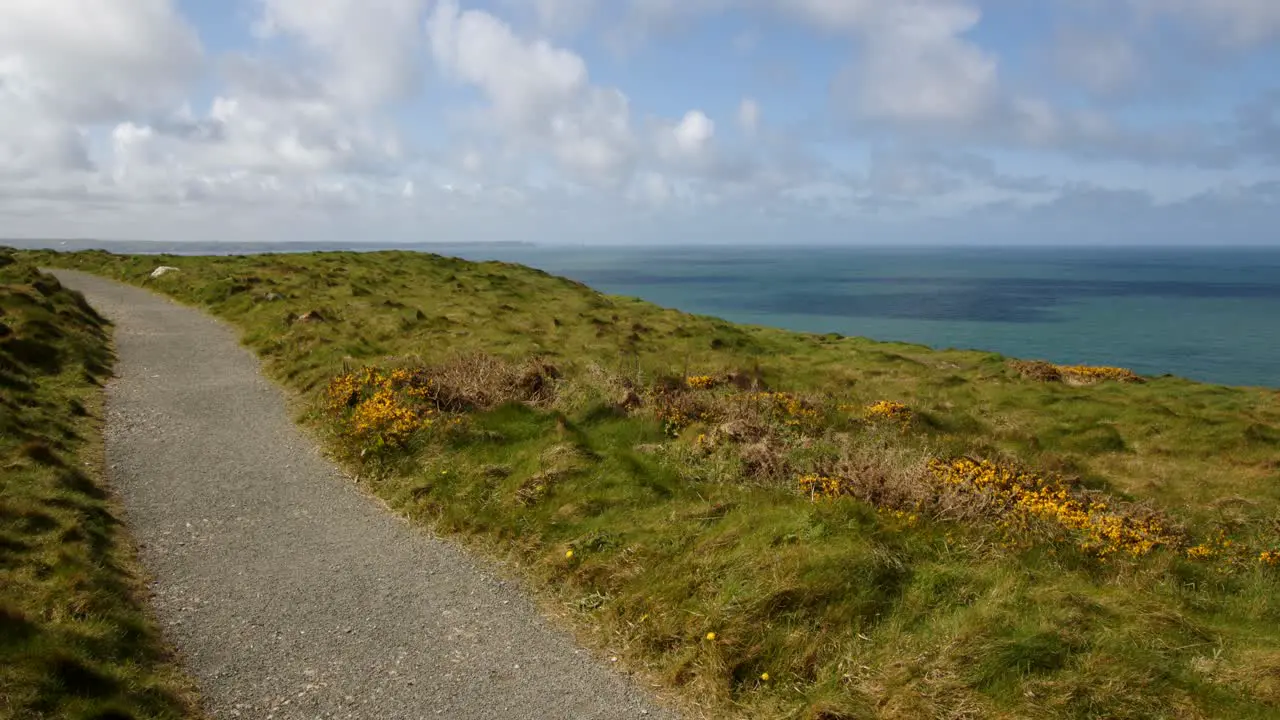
(881, 529)
(74, 639)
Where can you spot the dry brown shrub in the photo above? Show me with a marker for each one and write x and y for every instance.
(1037, 370)
(594, 384)
(668, 385)
(677, 408)
(479, 381)
(887, 475)
(765, 460)
(737, 431)
(747, 380)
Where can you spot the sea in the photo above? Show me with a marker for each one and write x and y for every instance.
(1209, 314)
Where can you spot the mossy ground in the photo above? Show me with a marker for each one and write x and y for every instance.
(75, 641)
(851, 605)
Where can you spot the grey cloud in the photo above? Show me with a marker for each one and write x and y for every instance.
(193, 130)
(1259, 123)
(983, 169)
(924, 171)
(251, 75)
(1088, 214)
(1106, 64)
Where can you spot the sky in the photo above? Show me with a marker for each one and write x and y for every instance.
(1114, 122)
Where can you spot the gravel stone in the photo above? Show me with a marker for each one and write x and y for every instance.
(288, 592)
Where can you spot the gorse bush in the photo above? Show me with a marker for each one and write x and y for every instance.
(887, 410)
(1077, 374)
(1023, 500)
(383, 408)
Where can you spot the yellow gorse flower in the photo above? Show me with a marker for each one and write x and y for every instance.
(1091, 373)
(1102, 530)
(1023, 500)
(909, 519)
(788, 408)
(888, 410)
(702, 382)
(381, 407)
(385, 417)
(823, 486)
(1200, 552)
(675, 420)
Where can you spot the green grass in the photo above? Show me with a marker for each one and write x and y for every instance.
(851, 609)
(75, 641)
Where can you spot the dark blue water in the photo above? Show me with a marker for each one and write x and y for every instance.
(1211, 315)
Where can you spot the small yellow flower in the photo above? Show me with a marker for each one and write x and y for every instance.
(568, 554)
(764, 677)
(711, 636)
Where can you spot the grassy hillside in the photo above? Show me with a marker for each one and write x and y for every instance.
(789, 525)
(74, 639)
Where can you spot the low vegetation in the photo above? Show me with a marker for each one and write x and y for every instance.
(788, 525)
(1073, 374)
(75, 641)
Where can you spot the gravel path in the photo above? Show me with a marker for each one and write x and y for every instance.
(291, 594)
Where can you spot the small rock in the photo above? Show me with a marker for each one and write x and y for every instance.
(162, 271)
(311, 316)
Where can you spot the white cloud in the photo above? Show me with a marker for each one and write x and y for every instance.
(95, 60)
(526, 81)
(693, 133)
(652, 189)
(63, 66)
(538, 92)
(368, 50)
(594, 137)
(472, 161)
(293, 128)
(749, 116)
(916, 67)
(33, 143)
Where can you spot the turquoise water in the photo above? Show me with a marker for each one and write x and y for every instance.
(1210, 315)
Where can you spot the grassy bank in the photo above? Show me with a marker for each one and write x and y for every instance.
(789, 525)
(75, 641)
